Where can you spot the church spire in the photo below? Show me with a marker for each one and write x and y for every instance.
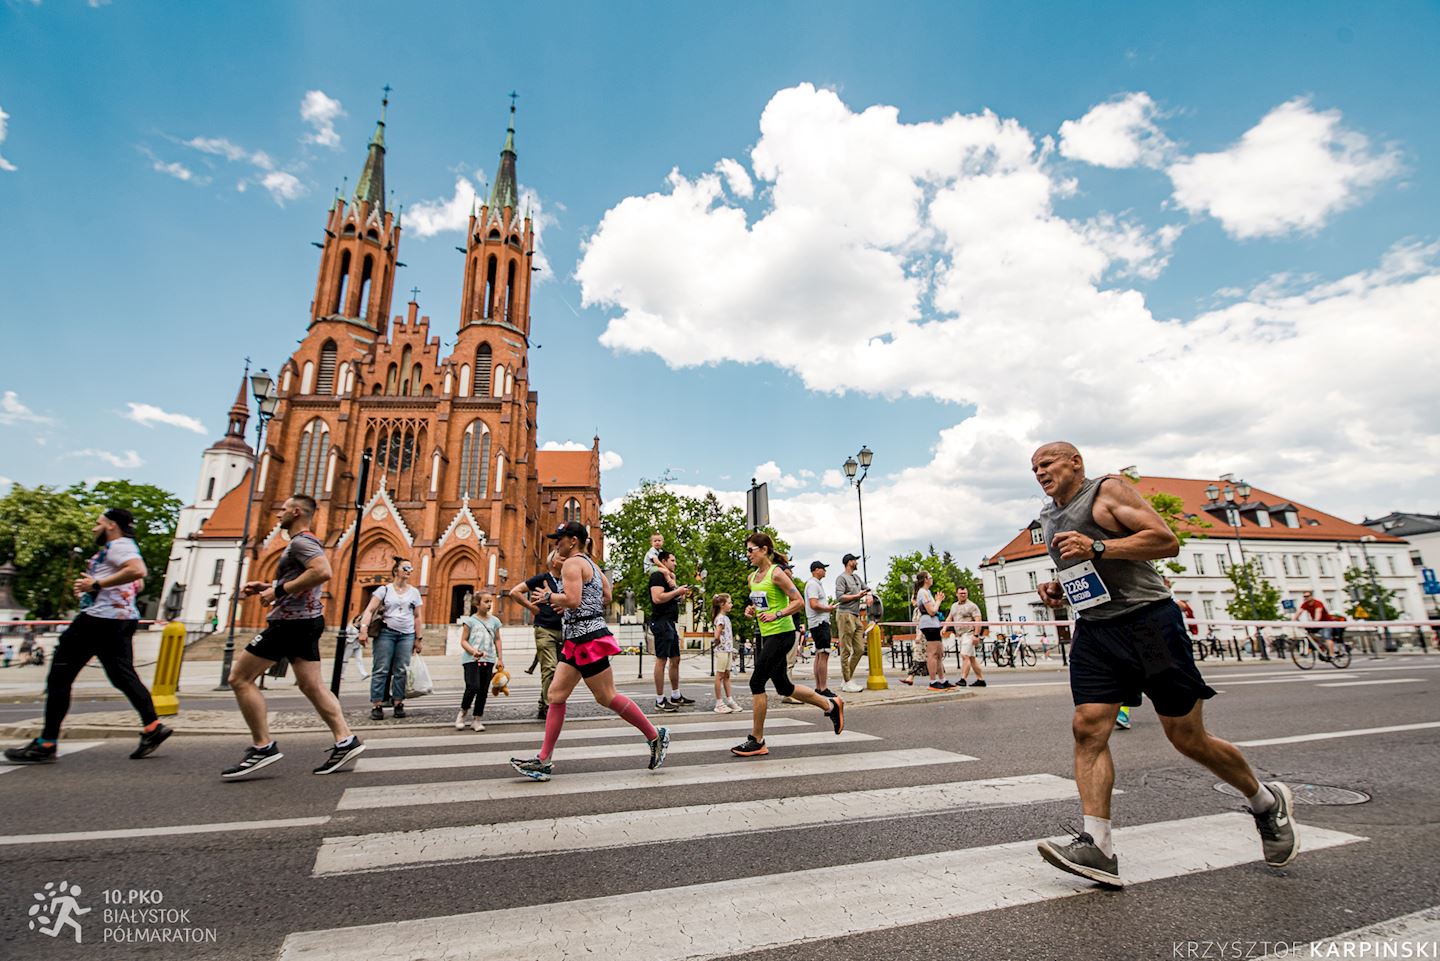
(239, 416)
(371, 185)
(504, 193)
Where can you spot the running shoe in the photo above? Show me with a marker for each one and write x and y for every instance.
(751, 748)
(836, 714)
(681, 699)
(459, 720)
(667, 707)
(376, 714)
(341, 756)
(853, 687)
(399, 710)
(734, 705)
(979, 683)
(722, 708)
(32, 753)
(477, 724)
(937, 685)
(150, 740)
(1277, 828)
(255, 758)
(533, 768)
(1122, 720)
(1083, 857)
(825, 692)
(959, 683)
(659, 747)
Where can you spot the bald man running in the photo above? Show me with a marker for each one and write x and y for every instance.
(1130, 640)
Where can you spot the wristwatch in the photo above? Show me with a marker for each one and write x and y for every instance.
(1098, 549)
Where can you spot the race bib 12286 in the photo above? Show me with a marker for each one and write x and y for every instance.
(1083, 586)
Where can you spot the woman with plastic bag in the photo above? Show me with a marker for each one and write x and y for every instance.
(397, 605)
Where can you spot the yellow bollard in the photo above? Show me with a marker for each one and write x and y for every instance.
(167, 670)
(876, 681)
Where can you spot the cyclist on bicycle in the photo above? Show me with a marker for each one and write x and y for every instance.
(1313, 609)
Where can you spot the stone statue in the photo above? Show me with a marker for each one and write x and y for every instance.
(468, 603)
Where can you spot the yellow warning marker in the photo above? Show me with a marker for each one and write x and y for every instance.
(167, 670)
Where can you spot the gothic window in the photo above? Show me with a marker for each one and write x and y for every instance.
(399, 446)
(390, 381)
(210, 490)
(475, 460)
(405, 371)
(500, 381)
(572, 510)
(375, 388)
(490, 269)
(314, 441)
(365, 276)
(218, 575)
(427, 391)
(307, 378)
(482, 370)
(325, 383)
(464, 380)
(510, 292)
(417, 373)
(339, 304)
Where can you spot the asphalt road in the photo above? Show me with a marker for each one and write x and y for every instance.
(869, 879)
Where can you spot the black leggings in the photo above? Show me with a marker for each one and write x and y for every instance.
(477, 686)
(770, 664)
(110, 641)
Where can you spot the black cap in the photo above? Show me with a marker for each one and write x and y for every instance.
(848, 558)
(817, 566)
(571, 529)
(123, 519)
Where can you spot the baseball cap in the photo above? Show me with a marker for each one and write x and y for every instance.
(570, 529)
(123, 519)
(818, 566)
(848, 558)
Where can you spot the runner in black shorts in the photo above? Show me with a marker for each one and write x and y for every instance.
(293, 629)
(1130, 639)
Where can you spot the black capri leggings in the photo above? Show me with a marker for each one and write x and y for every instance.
(770, 664)
(477, 686)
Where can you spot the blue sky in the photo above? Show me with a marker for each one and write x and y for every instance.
(123, 284)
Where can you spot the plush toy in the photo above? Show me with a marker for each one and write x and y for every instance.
(500, 684)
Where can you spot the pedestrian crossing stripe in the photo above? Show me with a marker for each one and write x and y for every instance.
(63, 748)
(487, 842)
(593, 752)
(573, 732)
(779, 910)
(1410, 934)
(496, 789)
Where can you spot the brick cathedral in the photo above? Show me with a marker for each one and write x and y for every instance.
(456, 484)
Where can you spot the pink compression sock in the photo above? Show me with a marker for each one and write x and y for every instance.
(554, 721)
(631, 712)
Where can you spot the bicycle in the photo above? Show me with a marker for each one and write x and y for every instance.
(1305, 650)
(1006, 652)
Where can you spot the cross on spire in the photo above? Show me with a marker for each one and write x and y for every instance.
(414, 294)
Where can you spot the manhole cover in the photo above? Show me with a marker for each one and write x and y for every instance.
(1311, 794)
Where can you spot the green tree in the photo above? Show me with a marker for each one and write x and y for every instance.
(1254, 598)
(704, 535)
(47, 533)
(1366, 593)
(898, 585)
(1172, 510)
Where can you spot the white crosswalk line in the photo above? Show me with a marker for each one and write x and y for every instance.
(1421, 930)
(65, 747)
(573, 732)
(738, 916)
(1330, 735)
(486, 842)
(226, 827)
(1393, 680)
(593, 752)
(492, 789)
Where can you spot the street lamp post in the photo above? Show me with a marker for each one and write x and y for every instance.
(1390, 645)
(1232, 515)
(266, 402)
(860, 461)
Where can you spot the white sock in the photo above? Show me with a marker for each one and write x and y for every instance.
(1099, 829)
(1263, 800)
(674, 693)
(345, 741)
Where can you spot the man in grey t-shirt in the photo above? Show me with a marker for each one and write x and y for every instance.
(850, 593)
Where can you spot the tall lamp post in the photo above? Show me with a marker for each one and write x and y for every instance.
(1232, 515)
(860, 461)
(1383, 611)
(266, 402)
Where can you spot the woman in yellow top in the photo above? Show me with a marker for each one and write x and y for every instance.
(773, 601)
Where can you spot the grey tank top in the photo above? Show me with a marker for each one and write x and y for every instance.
(1132, 584)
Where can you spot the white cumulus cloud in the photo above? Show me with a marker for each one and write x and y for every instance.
(12, 411)
(282, 186)
(320, 112)
(883, 245)
(177, 170)
(736, 177)
(149, 415)
(444, 214)
(5, 164)
(126, 461)
(609, 460)
(1292, 171)
(1119, 133)
(770, 473)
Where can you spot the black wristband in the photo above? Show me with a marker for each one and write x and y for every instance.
(279, 588)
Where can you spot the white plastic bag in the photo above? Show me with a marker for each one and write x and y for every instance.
(417, 678)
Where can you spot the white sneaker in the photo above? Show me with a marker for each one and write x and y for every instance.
(730, 703)
(460, 720)
(722, 708)
(478, 725)
(852, 687)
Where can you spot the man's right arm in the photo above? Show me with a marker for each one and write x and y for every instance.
(521, 593)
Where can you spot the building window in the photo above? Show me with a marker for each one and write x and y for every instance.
(1209, 608)
(1285, 564)
(1232, 517)
(210, 490)
(219, 576)
(482, 370)
(1199, 564)
(1224, 563)
(325, 381)
(572, 510)
(1004, 585)
(1034, 581)
(475, 460)
(1262, 518)
(1037, 535)
(1300, 565)
(1390, 565)
(313, 443)
(1291, 519)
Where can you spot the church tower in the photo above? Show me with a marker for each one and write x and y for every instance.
(498, 253)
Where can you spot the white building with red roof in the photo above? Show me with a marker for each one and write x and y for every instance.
(1299, 547)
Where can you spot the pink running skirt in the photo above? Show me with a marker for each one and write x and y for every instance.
(590, 650)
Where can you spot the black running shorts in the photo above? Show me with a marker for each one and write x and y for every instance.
(298, 640)
(1144, 652)
(771, 666)
(667, 638)
(931, 634)
(820, 634)
(587, 670)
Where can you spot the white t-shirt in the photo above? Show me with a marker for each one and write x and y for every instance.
(113, 603)
(967, 612)
(398, 608)
(815, 590)
(726, 644)
(922, 598)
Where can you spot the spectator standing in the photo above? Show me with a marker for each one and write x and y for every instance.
(548, 632)
(817, 613)
(664, 618)
(720, 606)
(927, 610)
(398, 605)
(850, 593)
(480, 655)
(964, 618)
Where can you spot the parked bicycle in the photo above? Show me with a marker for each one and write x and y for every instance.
(1306, 650)
(1007, 651)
